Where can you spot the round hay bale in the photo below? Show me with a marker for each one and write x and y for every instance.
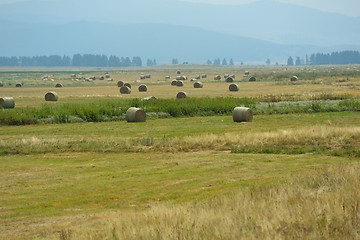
(167, 77)
(178, 72)
(142, 77)
(203, 76)
(18, 85)
(252, 79)
(174, 83)
(181, 78)
(120, 83)
(102, 78)
(149, 98)
(134, 114)
(198, 85)
(147, 76)
(197, 77)
(143, 88)
(107, 75)
(127, 84)
(217, 77)
(226, 76)
(51, 96)
(246, 73)
(7, 102)
(242, 114)
(229, 79)
(294, 78)
(233, 87)
(179, 83)
(125, 90)
(1, 84)
(58, 85)
(181, 95)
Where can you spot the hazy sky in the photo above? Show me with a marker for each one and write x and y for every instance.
(349, 7)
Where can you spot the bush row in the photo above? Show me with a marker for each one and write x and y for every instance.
(114, 110)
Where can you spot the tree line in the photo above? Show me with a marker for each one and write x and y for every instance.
(343, 57)
(78, 60)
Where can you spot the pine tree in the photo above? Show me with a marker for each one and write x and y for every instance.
(231, 63)
(290, 61)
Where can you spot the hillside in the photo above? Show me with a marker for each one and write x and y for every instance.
(165, 29)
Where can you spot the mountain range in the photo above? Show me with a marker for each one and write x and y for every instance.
(166, 29)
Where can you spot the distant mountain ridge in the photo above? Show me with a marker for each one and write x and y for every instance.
(162, 29)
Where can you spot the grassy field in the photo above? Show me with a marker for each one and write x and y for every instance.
(281, 176)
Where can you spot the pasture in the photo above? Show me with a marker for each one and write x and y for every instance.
(189, 171)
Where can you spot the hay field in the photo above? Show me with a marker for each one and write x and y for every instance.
(273, 82)
(280, 176)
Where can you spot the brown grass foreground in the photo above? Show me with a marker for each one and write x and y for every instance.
(321, 204)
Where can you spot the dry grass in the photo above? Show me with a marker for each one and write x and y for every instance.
(320, 204)
(321, 139)
(269, 84)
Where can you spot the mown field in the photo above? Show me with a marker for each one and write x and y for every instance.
(74, 169)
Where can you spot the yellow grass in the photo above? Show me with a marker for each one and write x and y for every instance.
(34, 89)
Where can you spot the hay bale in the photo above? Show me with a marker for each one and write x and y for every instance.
(252, 79)
(120, 83)
(233, 87)
(51, 96)
(174, 83)
(125, 90)
(294, 78)
(142, 77)
(147, 76)
(107, 75)
(58, 85)
(181, 78)
(18, 85)
(143, 88)
(178, 72)
(1, 84)
(181, 95)
(226, 76)
(229, 79)
(134, 114)
(102, 78)
(242, 114)
(167, 77)
(217, 77)
(232, 75)
(179, 83)
(7, 102)
(203, 75)
(198, 85)
(127, 85)
(148, 98)
(197, 77)
(246, 73)
(73, 75)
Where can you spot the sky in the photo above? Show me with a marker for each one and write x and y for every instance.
(348, 7)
